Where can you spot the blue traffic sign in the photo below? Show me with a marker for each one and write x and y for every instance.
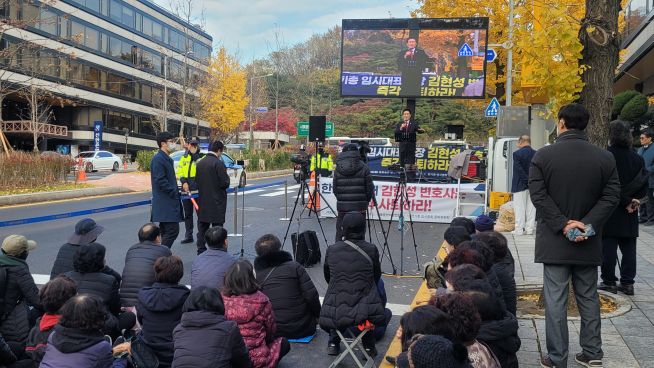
(490, 55)
(493, 108)
(261, 109)
(465, 50)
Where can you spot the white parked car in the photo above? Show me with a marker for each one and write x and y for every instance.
(99, 160)
(236, 172)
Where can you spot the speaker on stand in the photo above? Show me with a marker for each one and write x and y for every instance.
(317, 125)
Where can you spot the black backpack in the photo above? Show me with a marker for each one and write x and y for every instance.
(306, 248)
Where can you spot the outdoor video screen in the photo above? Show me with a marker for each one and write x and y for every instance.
(414, 58)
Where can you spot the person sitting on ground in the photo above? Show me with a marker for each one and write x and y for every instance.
(293, 295)
(435, 269)
(88, 262)
(499, 245)
(77, 340)
(463, 310)
(467, 223)
(210, 266)
(484, 223)
(352, 270)
(139, 263)
(159, 307)
(19, 292)
(246, 305)
(433, 351)
(456, 277)
(53, 296)
(205, 338)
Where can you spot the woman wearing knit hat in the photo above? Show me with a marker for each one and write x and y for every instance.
(484, 223)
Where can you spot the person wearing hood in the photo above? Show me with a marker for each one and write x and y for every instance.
(353, 186)
(159, 307)
(352, 270)
(286, 283)
(53, 296)
(20, 291)
(205, 338)
(78, 340)
(246, 305)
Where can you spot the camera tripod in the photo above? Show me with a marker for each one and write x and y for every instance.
(402, 195)
(386, 251)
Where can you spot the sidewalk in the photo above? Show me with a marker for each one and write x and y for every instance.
(627, 339)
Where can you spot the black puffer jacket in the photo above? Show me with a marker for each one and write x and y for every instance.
(507, 282)
(64, 261)
(207, 340)
(139, 270)
(502, 337)
(159, 310)
(21, 291)
(293, 295)
(351, 296)
(353, 185)
(99, 284)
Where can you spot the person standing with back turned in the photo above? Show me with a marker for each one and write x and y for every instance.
(525, 212)
(574, 186)
(166, 204)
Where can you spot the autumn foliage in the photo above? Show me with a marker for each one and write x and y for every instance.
(287, 119)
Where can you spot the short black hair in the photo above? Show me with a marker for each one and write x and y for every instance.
(267, 244)
(575, 116)
(467, 223)
(425, 320)
(496, 242)
(204, 298)
(620, 134)
(163, 137)
(215, 237)
(217, 146)
(83, 312)
(149, 232)
(455, 235)
(483, 295)
(239, 279)
(460, 276)
(649, 133)
(56, 293)
(409, 110)
(483, 249)
(89, 258)
(168, 270)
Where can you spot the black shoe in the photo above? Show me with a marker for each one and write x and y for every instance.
(545, 362)
(372, 351)
(391, 359)
(626, 289)
(582, 359)
(333, 348)
(649, 223)
(187, 241)
(642, 220)
(606, 287)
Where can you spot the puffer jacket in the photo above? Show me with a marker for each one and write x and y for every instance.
(21, 292)
(353, 186)
(501, 336)
(98, 284)
(293, 295)
(352, 296)
(139, 270)
(205, 339)
(159, 310)
(507, 283)
(73, 348)
(37, 341)
(254, 316)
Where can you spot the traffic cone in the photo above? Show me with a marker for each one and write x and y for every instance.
(125, 164)
(81, 174)
(313, 193)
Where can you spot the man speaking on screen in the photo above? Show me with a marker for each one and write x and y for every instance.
(412, 61)
(405, 133)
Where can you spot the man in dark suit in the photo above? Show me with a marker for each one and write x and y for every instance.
(573, 185)
(412, 61)
(405, 132)
(166, 204)
(212, 181)
(525, 212)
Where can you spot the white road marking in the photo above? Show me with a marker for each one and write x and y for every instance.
(281, 192)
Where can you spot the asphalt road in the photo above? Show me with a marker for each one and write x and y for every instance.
(262, 212)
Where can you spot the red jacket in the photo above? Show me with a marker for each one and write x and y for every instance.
(254, 316)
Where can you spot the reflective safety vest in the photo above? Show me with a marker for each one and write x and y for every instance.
(186, 166)
(326, 163)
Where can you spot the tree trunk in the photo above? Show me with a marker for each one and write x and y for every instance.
(601, 41)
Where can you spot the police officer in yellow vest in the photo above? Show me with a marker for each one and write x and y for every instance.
(322, 162)
(186, 175)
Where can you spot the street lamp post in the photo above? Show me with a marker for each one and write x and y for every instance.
(126, 138)
(251, 140)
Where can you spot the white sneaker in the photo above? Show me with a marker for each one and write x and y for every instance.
(529, 232)
(517, 233)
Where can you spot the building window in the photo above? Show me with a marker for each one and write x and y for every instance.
(116, 11)
(128, 17)
(48, 22)
(77, 32)
(636, 13)
(119, 121)
(145, 126)
(92, 38)
(93, 5)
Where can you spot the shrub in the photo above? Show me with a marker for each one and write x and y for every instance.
(275, 159)
(143, 159)
(634, 109)
(31, 170)
(620, 100)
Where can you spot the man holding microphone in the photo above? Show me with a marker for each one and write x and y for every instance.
(186, 175)
(405, 133)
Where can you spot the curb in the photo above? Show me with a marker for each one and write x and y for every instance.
(267, 174)
(60, 195)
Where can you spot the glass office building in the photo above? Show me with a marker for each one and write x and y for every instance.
(637, 69)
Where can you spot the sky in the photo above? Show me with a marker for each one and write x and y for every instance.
(247, 28)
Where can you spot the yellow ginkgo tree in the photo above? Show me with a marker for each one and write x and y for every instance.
(224, 97)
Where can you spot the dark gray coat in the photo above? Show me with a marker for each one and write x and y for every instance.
(572, 180)
(64, 261)
(21, 291)
(213, 181)
(166, 204)
(353, 186)
(209, 268)
(139, 270)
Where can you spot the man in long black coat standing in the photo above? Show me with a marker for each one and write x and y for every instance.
(212, 181)
(405, 133)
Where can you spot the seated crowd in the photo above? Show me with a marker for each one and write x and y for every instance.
(242, 314)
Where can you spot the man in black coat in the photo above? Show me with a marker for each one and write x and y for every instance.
(212, 181)
(405, 133)
(139, 263)
(573, 184)
(525, 212)
(411, 61)
(352, 270)
(353, 186)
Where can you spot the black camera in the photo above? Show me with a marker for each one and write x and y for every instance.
(299, 159)
(364, 149)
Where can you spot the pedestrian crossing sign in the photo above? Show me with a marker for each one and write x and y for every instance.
(465, 50)
(493, 108)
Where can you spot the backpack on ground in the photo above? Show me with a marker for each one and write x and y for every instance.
(306, 248)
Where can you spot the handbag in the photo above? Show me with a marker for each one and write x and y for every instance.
(141, 355)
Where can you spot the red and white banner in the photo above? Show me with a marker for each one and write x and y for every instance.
(427, 202)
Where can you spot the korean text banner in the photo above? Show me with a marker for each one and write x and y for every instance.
(427, 202)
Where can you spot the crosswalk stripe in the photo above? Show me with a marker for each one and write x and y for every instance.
(281, 192)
